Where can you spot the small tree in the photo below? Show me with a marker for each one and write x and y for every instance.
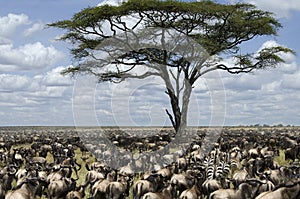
(219, 29)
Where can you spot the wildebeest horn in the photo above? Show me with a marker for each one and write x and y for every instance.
(12, 170)
(200, 175)
(49, 166)
(13, 165)
(268, 156)
(258, 171)
(40, 168)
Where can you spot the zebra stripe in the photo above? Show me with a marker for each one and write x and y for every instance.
(223, 170)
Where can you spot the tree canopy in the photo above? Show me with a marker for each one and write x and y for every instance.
(219, 29)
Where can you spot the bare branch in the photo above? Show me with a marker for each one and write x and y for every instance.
(206, 71)
(236, 69)
(171, 119)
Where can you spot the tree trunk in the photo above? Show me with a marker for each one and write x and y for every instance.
(185, 103)
(182, 135)
(180, 121)
(176, 110)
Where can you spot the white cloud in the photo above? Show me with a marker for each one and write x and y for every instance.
(13, 83)
(290, 60)
(282, 8)
(52, 83)
(28, 57)
(111, 2)
(48, 92)
(290, 64)
(260, 96)
(43, 99)
(259, 78)
(4, 40)
(292, 81)
(34, 28)
(269, 44)
(9, 23)
(271, 87)
(54, 78)
(24, 57)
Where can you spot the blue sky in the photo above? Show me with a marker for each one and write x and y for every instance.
(32, 92)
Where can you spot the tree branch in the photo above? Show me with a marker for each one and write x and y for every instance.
(171, 119)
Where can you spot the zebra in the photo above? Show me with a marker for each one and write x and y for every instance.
(209, 164)
(222, 170)
(213, 170)
(235, 158)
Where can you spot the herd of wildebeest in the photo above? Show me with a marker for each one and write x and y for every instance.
(75, 163)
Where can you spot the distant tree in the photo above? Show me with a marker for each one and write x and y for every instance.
(279, 125)
(220, 29)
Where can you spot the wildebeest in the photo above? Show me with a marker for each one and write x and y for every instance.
(60, 188)
(246, 190)
(290, 190)
(66, 150)
(25, 190)
(98, 189)
(78, 193)
(166, 193)
(141, 187)
(191, 193)
(211, 185)
(118, 189)
(292, 153)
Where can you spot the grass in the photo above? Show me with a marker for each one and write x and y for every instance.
(82, 172)
(281, 159)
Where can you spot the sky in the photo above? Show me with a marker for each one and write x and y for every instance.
(33, 93)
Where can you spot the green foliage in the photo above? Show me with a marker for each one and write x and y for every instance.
(220, 28)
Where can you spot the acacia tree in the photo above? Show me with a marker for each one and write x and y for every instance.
(219, 29)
